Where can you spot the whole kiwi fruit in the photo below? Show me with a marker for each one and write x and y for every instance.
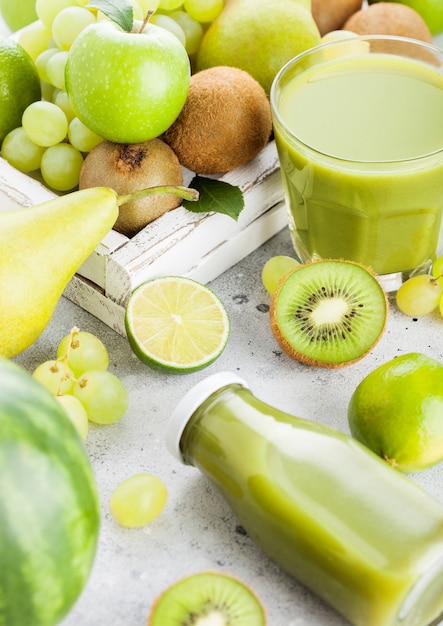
(389, 18)
(330, 15)
(225, 122)
(328, 313)
(129, 167)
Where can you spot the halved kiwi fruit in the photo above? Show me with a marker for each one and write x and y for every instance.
(328, 313)
(207, 598)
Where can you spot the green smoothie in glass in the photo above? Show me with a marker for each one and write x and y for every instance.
(360, 143)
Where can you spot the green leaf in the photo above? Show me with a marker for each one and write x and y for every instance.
(119, 11)
(216, 196)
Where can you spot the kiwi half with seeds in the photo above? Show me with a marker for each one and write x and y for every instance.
(207, 598)
(328, 313)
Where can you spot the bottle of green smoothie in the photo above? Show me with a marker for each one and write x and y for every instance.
(357, 532)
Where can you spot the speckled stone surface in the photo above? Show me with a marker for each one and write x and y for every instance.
(197, 530)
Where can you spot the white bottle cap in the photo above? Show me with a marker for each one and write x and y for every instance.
(190, 403)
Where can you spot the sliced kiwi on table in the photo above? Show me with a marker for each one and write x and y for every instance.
(328, 313)
(207, 598)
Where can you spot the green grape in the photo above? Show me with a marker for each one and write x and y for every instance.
(55, 376)
(170, 5)
(164, 21)
(148, 5)
(81, 137)
(61, 99)
(41, 62)
(55, 69)
(47, 91)
(274, 269)
(203, 10)
(440, 306)
(21, 152)
(103, 395)
(137, 11)
(45, 123)
(419, 295)
(437, 269)
(138, 500)
(69, 23)
(47, 9)
(84, 351)
(34, 38)
(76, 413)
(60, 167)
(193, 30)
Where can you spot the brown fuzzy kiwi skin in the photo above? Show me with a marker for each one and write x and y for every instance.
(332, 14)
(286, 346)
(225, 122)
(389, 18)
(129, 167)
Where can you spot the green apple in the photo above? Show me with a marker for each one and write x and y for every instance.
(18, 13)
(430, 10)
(127, 87)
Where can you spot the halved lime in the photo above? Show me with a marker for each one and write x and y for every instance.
(176, 324)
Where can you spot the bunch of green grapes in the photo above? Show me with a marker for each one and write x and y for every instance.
(52, 140)
(422, 294)
(80, 380)
(187, 19)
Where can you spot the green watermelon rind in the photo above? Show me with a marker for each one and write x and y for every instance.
(49, 506)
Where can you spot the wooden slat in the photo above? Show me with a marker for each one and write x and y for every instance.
(179, 242)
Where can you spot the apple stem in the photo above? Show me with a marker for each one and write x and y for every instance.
(187, 193)
(146, 20)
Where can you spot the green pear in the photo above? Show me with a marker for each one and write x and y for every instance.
(258, 36)
(41, 248)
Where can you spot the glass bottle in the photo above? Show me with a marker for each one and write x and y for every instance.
(358, 533)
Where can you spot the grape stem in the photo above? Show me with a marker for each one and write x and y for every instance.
(64, 359)
(187, 193)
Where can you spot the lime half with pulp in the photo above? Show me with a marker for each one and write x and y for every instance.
(176, 324)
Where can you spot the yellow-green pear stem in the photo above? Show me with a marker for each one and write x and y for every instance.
(187, 193)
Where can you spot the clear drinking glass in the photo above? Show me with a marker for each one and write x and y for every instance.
(359, 131)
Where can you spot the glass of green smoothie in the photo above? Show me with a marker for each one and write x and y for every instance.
(358, 125)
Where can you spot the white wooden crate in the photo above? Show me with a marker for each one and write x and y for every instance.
(198, 245)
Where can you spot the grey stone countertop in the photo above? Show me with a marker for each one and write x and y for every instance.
(197, 531)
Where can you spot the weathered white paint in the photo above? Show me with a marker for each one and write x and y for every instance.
(198, 245)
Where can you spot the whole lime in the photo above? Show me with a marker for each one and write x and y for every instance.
(19, 84)
(397, 412)
(18, 14)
